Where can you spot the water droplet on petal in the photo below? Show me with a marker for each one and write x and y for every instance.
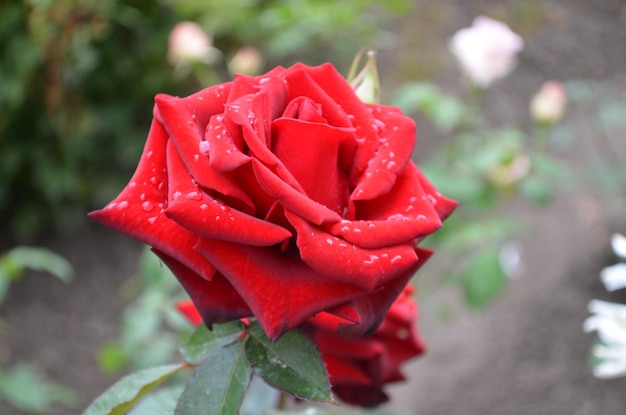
(123, 205)
(193, 196)
(204, 147)
(147, 206)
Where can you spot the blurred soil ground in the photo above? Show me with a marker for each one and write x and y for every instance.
(526, 353)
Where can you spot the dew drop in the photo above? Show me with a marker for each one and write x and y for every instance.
(204, 206)
(329, 241)
(123, 205)
(147, 206)
(402, 334)
(397, 216)
(176, 195)
(396, 259)
(152, 219)
(149, 154)
(204, 147)
(193, 196)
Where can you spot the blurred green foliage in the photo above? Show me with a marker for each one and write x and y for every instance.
(23, 385)
(151, 328)
(487, 169)
(77, 80)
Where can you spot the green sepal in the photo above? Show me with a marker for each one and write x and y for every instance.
(203, 341)
(218, 384)
(292, 364)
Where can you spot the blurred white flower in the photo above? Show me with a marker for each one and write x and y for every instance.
(614, 277)
(609, 320)
(486, 51)
(189, 43)
(548, 105)
(618, 244)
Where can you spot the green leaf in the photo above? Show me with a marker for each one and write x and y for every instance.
(218, 384)
(483, 278)
(292, 364)
(203, 341)
(40, 259)
(161, 402)
(120, 397)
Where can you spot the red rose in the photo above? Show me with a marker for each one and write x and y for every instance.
(359, 367)
(281, 196)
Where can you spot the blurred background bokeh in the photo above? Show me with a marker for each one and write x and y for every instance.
(77, 82)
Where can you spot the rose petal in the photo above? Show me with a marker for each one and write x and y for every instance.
(373, 307)
(216, 301)
(138, 211)
(407, 203)
(292, 199)
(310, 152)
(342, 372)
(189, 310)
(332, 257)
(325, 85)
(176, 116)
(244, 113)
(442, 204)
(280, 289)
(397, 138)
(224, 153)
(204, 215)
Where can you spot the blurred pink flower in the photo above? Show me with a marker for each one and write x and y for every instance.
(189, 43)
(247, 61)
(549, 104)
(486, 51)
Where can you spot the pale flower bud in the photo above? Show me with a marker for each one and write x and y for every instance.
(548, 105)
(486, 51)
(366, 84)
(246, 61)
(189, 43)
(510, 173)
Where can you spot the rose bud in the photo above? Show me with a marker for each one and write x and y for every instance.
(358, 368)
(549, 104)
(246, 61)
(486, 51)
(188, 44)
(281, 196)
